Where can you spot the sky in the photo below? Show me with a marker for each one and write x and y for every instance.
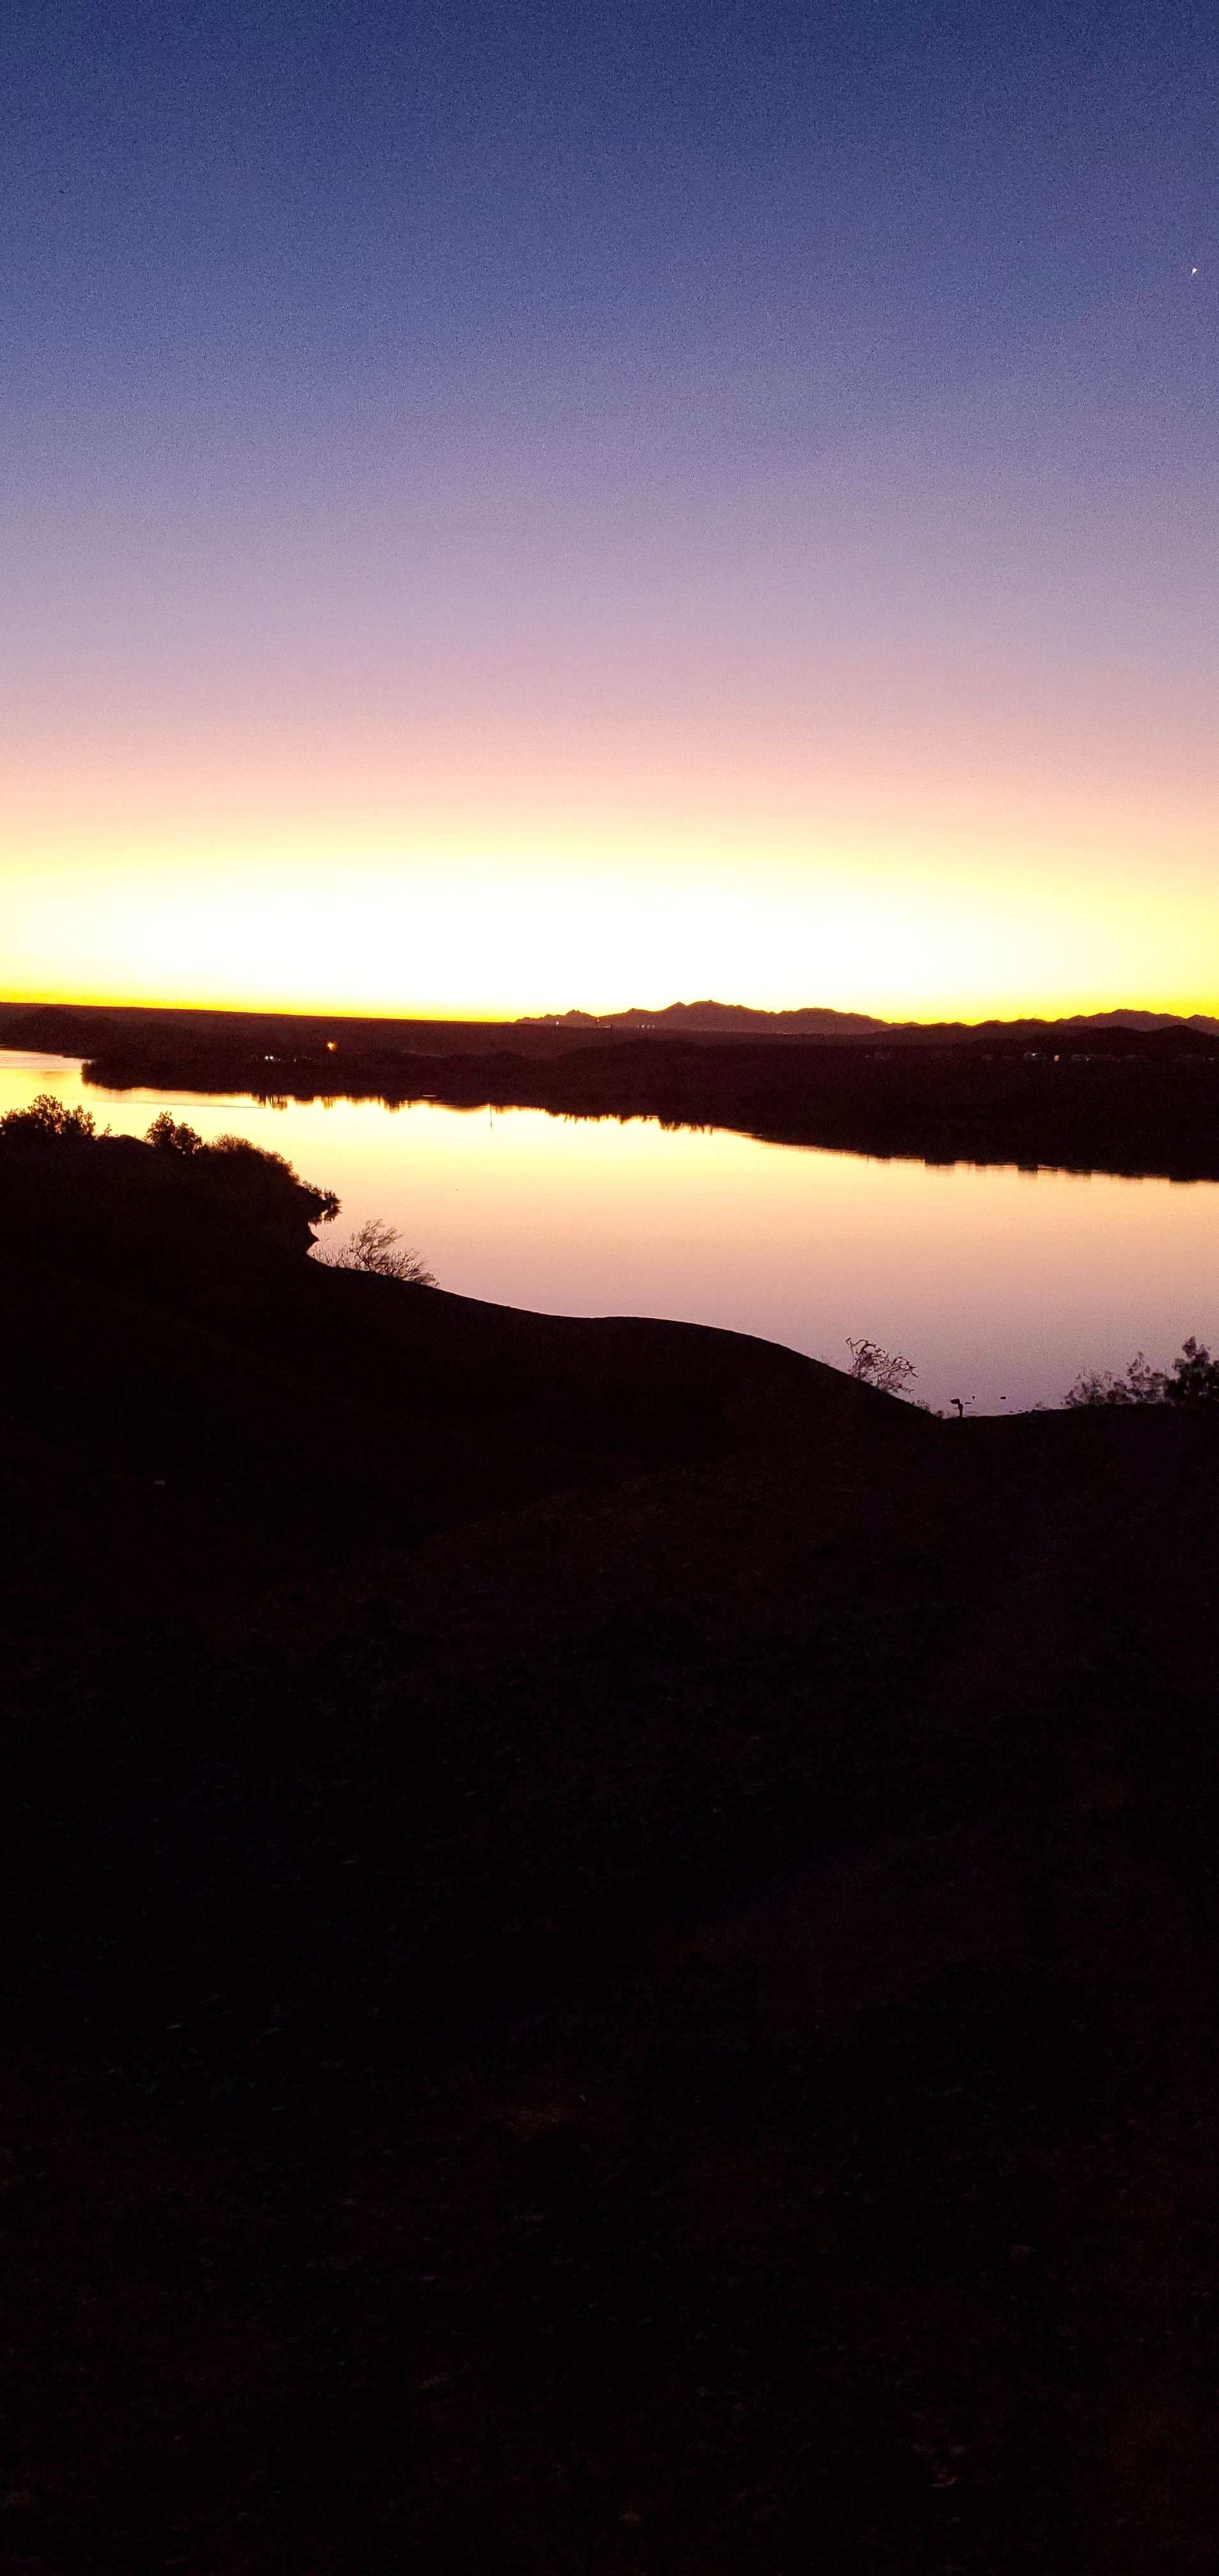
(505, 509)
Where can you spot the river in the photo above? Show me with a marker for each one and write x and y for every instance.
(1000, 1285)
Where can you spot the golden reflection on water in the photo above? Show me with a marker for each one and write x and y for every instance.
(998, 1284)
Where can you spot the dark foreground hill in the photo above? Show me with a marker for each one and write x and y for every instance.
(609, 1938)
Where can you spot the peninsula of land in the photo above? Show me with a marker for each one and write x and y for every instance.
(1127, 1092)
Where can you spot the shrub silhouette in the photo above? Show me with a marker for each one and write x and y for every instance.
(251, 1179)
(234, 1157)
(884, 1369)
(374, 1246)
(1192, 1379)
(47, 1122)
(173, 1137)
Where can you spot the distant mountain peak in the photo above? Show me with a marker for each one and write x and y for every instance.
(729, 1016)
(815, 1021)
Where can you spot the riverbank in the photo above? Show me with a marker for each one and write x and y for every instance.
(1139, 1103)
(609, 1935)
(1067, 1095)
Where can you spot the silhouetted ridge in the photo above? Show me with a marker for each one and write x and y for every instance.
(581, 1896)
(734, 1018)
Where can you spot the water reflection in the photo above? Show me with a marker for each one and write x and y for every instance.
(1001, 1285)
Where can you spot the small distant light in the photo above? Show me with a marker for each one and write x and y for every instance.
(332, 1046)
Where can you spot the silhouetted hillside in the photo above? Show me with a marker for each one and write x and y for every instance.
(608, 1936)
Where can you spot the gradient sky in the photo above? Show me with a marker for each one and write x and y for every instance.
(505, 508)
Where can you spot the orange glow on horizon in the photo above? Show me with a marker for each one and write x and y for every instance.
(917, 722)
(459, 939)
(911, 869)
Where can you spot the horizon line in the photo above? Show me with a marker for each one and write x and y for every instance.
(632, 1012)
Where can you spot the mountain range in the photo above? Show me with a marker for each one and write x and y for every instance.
(730, 1017)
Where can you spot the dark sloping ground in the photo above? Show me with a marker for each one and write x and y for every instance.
(609, 1939)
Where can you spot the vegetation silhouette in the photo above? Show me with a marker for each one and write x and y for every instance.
(171, 1136)
(1193, 1378)
(46, 1122)
(378, 1247)
(886, 1370)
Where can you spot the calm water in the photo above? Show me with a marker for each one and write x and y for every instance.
(1000, 1285)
